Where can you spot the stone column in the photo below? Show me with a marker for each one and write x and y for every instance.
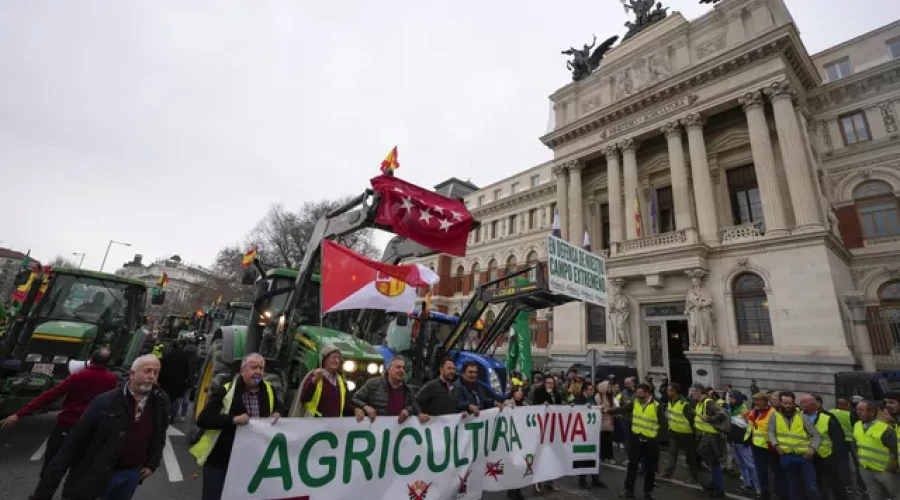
(856, 303)
(562, 199)
(593, 217)
(614, 193)
(680, 191)
(704, 195)
(629, 159)
(764, 163)
(598, 227)
(576, 204)
(793, 154)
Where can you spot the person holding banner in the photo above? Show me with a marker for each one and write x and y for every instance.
(234, 404)
(471, 396)
(438, 396)
(547, 395)
(648, 427)
(388, 396)
(324, 392)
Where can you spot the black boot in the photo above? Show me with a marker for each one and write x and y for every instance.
(582, 483)
(515, 495)
(597, 483)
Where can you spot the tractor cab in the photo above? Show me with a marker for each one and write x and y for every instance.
(67, 314)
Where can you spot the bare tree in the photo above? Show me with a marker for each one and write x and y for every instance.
(60, 261)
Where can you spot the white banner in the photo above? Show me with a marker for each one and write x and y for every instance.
(448, 458)
(576, 272)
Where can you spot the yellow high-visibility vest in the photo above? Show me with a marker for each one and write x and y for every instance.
(843, 418)
(699, 424)
(826, 446)
(208, 440)
(675, 415)
(793, 439)
(645, 419)
(312, 407)
(761, 430)
(873, 454)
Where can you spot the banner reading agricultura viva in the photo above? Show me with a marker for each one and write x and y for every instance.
(448, 458)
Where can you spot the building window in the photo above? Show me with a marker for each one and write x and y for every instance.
(665, 206)
(751, 310)
(513, 223)
(535, 180)
(494, 225)
(877, 208)
(497, 193)
(476, 275)
(596, 324)
(854, 128)
(510, 267)
(492, 270)
(838, 70)
(477, 233)
(531, 261)
(460, 275)
(532, 218)
(746, 205)
(894, 48)
(480, 200)
(604, 222)
(514, 188)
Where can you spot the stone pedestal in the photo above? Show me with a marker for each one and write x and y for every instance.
(620, 356)
(706, 366)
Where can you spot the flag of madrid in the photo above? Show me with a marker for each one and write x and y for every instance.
(351, 281)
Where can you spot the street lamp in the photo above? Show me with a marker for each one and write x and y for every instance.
(82, 258)
(107, 251)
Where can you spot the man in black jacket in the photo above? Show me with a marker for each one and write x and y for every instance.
(247, 396)
(388, 396)
(438, 396)
(173, 377)
(116, 444)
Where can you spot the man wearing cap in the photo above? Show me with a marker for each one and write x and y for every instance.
(324, 391)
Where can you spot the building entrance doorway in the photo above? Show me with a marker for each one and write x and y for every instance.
(666, 337)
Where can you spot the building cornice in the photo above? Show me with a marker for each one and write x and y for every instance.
(543, 191)
(782, 41)
(875, 81)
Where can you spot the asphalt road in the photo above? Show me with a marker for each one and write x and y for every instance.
(21, 450)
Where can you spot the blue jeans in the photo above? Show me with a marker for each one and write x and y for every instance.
(743, 457)
(801, 473)
(123, 484)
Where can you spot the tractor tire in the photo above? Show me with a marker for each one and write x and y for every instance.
(214, 374)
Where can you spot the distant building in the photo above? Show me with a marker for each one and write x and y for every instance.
(10, 263)
(185, 282)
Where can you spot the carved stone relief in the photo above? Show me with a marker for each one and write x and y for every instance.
(642, 73)
(887, 114)
(710, 46)
(826, 135)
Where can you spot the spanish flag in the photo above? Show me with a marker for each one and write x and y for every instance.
(479, 325)
(163, 280)
(248, 258)
(390, 163)
(637, 216)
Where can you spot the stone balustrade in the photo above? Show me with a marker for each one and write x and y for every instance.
(741, 233)
(652, 243)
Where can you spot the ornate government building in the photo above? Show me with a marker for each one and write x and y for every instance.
(744, 192)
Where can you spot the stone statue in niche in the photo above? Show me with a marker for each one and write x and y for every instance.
(619, 314)
(698, 307)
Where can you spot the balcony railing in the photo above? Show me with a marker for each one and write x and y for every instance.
(652, 243)
(884, 332)
(744, 232)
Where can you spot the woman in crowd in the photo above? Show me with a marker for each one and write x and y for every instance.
(604, 397)
(547, 395)
(516, 398)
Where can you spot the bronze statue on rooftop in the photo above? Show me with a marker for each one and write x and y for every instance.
(644, 15)
(584, 62)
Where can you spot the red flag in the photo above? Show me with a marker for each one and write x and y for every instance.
(248, 257)
(351, 281)
(438, 222)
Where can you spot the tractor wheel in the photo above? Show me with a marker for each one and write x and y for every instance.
(214, 374)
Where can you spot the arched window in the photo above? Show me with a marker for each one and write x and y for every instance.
(510, 267)
(877, 208)
(751, 310)
(476, 275)
(458, 280)
(492, 270)
(883, 321)
(890, 293)
(532, 260)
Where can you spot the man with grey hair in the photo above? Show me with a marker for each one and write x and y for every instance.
(116, 444)
(247, 396)
(388, 395)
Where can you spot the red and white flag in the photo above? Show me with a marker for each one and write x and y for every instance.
(351, 281)
(438, 222)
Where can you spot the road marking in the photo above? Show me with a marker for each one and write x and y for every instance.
(39, 454)
(172, 431)
(680, 483)
(171, 461)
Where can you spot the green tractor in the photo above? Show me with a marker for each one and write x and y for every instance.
(66, 315)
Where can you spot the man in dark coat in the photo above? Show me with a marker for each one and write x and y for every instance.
(472, 396)
(388, 396)
(116, 444)
(439, 396)
(173, 376)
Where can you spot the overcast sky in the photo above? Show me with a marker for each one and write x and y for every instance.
(173, 125)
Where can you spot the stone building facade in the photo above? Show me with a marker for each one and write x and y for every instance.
(717, 155)
(186, 283)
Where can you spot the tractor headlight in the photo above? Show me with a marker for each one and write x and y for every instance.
(350, 366)
(60, 360)
(495, 381)
(380, 368)
(351, 385)
(33, 358)
(267, 314)
(372, 368)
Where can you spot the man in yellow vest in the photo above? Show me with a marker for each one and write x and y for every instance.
(324, 392)
(876, 445)
(796, 440)
(680, 416)
(648, 427)
(832, 446)
(710, 442)
(764, 456)
(246, 396)
(846, 418)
